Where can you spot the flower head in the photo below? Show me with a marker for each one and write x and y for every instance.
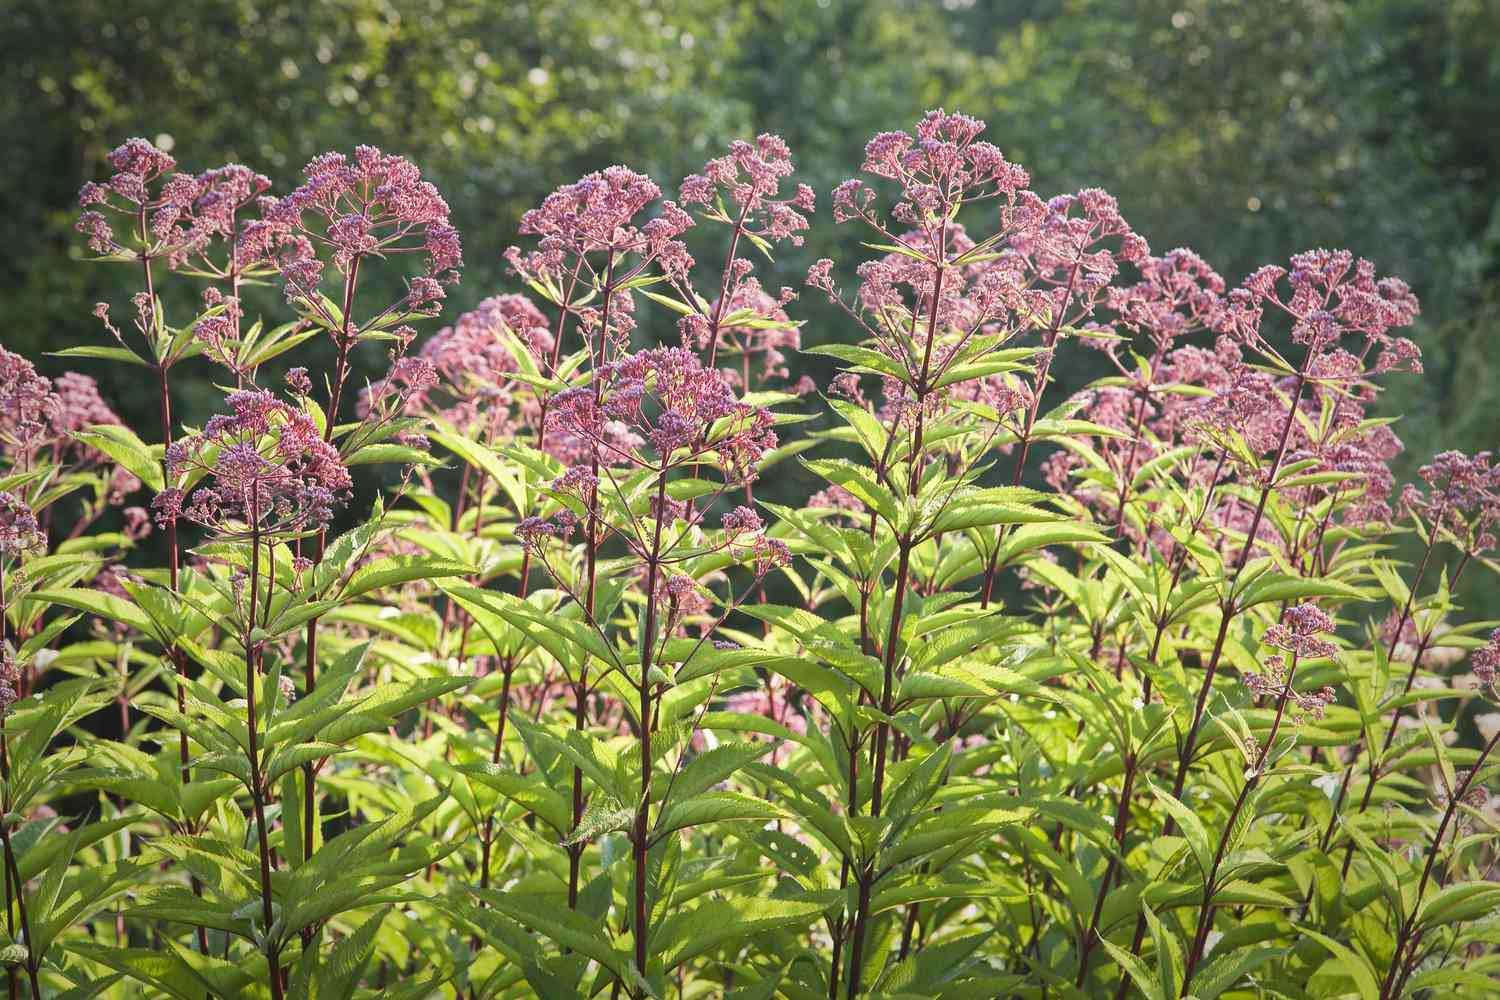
(1462, 498)
(19, 531)
(1486, 663)
(10, 678)
(350, 209)
(666, 398)
(750, 174)
(268, 467)
(142, 187)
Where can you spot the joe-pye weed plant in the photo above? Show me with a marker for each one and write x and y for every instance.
(1128, 692)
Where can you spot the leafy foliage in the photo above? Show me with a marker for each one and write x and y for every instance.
(568, 712)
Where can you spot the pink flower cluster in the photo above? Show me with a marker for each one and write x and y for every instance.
(10, 679)
(19, 531)
(1462, 498)
(596, 214)
(940, 168)
(1230, 399)
(745, 532)
(1486, 663)
(751, 173)
(39, 414)
(473, 361)
(666, 398)
(269, 467)
(1297, 633)
(182, 213)
(347, 210)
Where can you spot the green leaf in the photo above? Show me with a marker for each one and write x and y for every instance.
(1459, 903)
(857, 481)
(391, 571)
(104, 353)
(1199, 841)
(604, 815)
(719, 922)
(1229, 968)
(1138, 971)
(713, 766)
(567, 928)
(100, 604)
(1351, 963)
(714, 807)
(121, 444)
(1276, 588)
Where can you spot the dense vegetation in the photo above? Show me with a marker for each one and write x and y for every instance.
(1249, 130)
(1041, 693)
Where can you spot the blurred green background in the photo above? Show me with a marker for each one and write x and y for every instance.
(1247, 130)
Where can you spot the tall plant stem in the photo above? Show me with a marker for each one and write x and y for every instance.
(1024, 444)
(164, 405)
(905, 544)
(12, 981)
(340, 375)
(1227, 609)
(175, 655)
(1227, 612)
(1126, 473)
(835, 967)
(719, 307)
(1411, 679)
(640, 832)
(1122, 815)
(1210, 887)
(591, 560)
(12, 873)
(1132, 761)
(508, 666)
(1404, 935)
(257, 789)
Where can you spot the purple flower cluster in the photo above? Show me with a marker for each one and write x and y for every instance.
(10, 679)
(269, 467)
(27, 406)
(1332, 295)
(1043, 271)
(473, 361)
(142, 186)
(666, 398)
(1486, 663)
(940, 168)
(1462, 498)
(1297, 633)
(347, 210)
(175, 215)
(38, 414)
(599, 213)
(1230, 398)
(751, 174)
(19, 531)
(744, 532)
